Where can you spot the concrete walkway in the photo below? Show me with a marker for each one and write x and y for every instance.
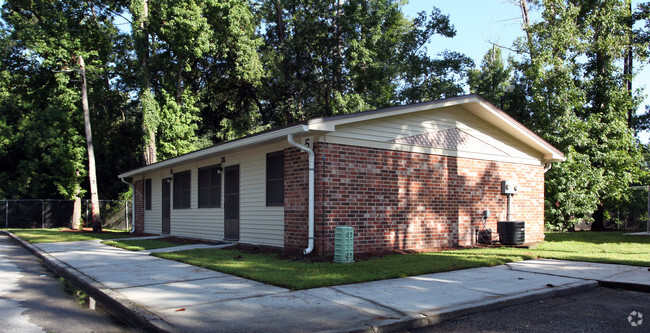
(162, 295)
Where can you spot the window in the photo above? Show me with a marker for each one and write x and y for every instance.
(210, 186)
(147, 194)
(275, 178)
(182, 189)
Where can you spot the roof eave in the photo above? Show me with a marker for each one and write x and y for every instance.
(498, 118)
(221, 148)
(525, 135)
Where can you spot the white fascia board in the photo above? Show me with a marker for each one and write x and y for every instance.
(329, 124)
(220, 148)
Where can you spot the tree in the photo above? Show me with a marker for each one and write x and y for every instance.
(336, 57)
(46, 40)
(92, 173)
(192, 56)
(579, 102)
(492, 79)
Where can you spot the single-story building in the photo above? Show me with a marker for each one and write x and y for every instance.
(407, 177)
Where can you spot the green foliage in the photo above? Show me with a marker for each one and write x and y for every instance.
(45, 151)
(193, 72)
(176, 133)
(492, 79)
(327, 58)
(578, 100)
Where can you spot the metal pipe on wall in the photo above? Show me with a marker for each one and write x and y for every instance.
(310, 245)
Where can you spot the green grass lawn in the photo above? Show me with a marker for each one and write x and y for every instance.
(294, 275)
(606, 247)
(57, 235)
(141, 244)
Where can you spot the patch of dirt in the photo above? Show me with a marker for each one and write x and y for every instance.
(297, 255)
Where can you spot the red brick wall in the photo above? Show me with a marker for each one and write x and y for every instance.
(405, 200)
(139, 205)
(296, 199)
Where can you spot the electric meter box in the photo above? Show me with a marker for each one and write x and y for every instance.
(509, 187)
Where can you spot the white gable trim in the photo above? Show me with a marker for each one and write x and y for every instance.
(472, 103)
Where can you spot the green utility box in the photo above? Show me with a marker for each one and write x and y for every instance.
(344, 245)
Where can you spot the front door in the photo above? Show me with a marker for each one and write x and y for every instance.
(166, 204)
(231, 203)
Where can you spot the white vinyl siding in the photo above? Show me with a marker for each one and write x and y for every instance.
(258, 224)
(385, 130)
(153, 217)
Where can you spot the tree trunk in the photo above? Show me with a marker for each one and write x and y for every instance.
(149, 152)
(76, 213)
(281, 45)
(92, 174)
(76, 208)
(339, 45)
(628, 66)
(525, 16)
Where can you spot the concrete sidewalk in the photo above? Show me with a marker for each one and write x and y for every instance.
(162, 295)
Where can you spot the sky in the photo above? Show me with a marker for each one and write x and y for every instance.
(479, 22)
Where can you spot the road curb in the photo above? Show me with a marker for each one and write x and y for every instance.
(625, 286)
(113, 302)
(430, 319)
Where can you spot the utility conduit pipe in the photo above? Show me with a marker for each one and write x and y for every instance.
(310, 245)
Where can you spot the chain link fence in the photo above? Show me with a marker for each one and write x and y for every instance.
(52, 213)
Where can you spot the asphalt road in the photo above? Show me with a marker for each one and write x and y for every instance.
(32, 299)
(598, 310)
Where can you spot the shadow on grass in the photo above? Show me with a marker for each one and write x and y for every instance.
(596, 237)
(63, 235)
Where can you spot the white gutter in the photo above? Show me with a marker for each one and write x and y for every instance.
(132, 204)
(310, 245)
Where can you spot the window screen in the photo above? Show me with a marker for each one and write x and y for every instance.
(182, 189)
(210, 186)
(147, 194)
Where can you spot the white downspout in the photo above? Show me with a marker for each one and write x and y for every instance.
(132, 204)
(310, 245)
(547, 167)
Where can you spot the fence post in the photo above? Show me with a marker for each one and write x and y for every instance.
(6, 213)
(42, 214)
